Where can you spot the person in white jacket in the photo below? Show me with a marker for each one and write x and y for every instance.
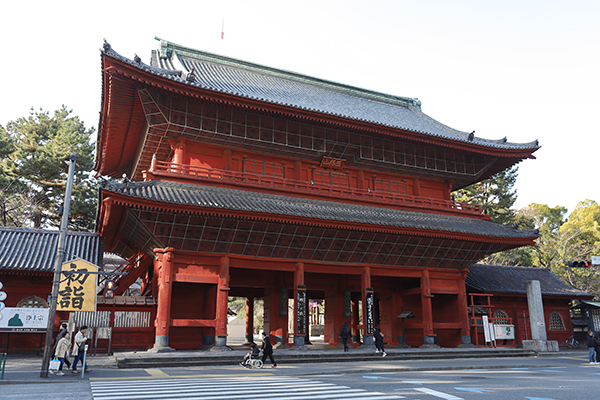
(61, 351)
(79, 349)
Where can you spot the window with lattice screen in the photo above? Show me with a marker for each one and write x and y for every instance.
(500, 317)
(556, 322)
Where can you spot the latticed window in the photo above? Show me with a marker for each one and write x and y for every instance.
(500, 317)
(32, 302)
(556, 322)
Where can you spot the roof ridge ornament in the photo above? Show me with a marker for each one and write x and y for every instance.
(137, 59)
(190, 76)
(471, 136)
(106, 46)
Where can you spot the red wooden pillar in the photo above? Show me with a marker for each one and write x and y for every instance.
(368, 302)
(179, 153)
(428, 336)
(300, 306)
(275, 318)
(463, 314)
(355, 322)
(416, 187)
(163, 264)
(334, 315)
(297, 170)
(249, 320)
(227, 160)
(222, 299)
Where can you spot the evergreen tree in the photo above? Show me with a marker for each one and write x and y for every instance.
(495, 195)
(560, 240)
(37, 149)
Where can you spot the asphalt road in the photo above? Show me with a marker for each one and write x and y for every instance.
(564, 377)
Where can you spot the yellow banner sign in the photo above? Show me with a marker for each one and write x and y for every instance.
(77, 290)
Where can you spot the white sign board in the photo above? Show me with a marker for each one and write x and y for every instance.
(504, 331)
(595, 260)
(23, 319)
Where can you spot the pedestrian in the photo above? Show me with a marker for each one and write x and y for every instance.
(79, 350)
(597, 346)
(379, 342)
(62, 349)
(591, 345)
(344, 335)
(61, 334)
(267, 349)
(252, 354)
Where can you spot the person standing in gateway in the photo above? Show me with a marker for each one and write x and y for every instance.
(267, 349)
(345, 334)
(379, 342)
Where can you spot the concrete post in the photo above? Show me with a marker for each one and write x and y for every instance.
(536, 310)
(539, 340)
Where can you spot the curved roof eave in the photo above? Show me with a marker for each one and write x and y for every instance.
(384, 105)
(224, 199)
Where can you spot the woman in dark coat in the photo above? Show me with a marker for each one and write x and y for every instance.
(267, 349)
(379, 342)
(344, 335)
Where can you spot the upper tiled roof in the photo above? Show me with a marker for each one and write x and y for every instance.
(253, 81)
(513, 280)
(35, 249)
(262, 204)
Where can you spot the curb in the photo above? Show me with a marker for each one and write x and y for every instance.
(340, 372)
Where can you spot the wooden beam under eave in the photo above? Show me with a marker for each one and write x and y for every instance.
(191, 278)
(194, 323)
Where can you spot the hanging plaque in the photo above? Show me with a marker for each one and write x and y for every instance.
(301, 311)
(330, 162)
(369, 313)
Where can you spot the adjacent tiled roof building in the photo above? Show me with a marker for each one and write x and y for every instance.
(513, 280)
(26, 249)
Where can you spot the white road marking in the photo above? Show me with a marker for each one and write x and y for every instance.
(435, 393)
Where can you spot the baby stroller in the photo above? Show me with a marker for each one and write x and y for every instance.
(253, 358)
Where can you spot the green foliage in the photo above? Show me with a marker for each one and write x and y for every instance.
(495, 195)
(561, 240)
(34, 169)
(238, 305)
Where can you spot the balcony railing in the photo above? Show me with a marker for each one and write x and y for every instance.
(336, 189)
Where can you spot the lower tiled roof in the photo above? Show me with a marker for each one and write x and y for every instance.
(513, 280)
(28, 249)
(265, 205)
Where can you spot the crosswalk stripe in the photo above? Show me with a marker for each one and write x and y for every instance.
(198, 380)
(204, 385)
(441, 395)
(273, 388)
(186, 391)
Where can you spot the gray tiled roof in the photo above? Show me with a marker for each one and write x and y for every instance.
(513, 280)
(35, 249)
(239, 78)
(263, 205)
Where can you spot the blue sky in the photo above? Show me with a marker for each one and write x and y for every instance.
(522, 69)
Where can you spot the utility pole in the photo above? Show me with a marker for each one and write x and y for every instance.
(58, 267)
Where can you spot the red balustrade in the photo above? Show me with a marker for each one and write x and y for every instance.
(277, 183)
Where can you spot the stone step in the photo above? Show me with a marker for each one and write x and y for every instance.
(204, 358)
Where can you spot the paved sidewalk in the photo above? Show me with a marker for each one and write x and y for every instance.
(25, 369)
